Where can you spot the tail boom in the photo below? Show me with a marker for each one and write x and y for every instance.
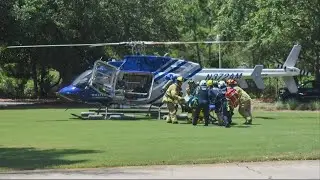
(258, 73)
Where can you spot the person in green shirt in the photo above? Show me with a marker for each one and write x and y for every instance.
(173, 97)
(244, 101)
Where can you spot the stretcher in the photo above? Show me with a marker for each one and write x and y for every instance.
(189, 107)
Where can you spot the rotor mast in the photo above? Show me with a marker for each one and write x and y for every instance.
(137, 48)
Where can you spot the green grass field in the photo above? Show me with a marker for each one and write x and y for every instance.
(37, 139)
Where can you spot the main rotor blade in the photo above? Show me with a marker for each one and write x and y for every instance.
(123, 43)
(191, 42)
(64, 45)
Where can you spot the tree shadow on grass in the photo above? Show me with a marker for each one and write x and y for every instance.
(126, 117)
(264, 117)
(240, 126)
(255, 124)
(31, 158)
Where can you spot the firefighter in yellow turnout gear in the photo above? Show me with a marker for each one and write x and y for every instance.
(244, 101)
(173, 97)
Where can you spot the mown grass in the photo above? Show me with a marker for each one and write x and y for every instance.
(48, 138)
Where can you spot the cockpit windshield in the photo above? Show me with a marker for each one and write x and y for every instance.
(104, 75)
(102, 78)
(82, 78)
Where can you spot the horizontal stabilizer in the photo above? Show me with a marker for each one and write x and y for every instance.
(293, 56)
(302, 72)
(256, 76)
(305, 73)
(278, 66)
(290, 83)
(243, 83)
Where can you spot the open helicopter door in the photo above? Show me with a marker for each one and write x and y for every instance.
(136, 86)
(103, 78)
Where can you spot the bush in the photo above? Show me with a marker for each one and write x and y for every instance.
(7, 86)
(11, 87)
(29, 89)
(281, 106)
(14, 87)
(315, 106)
(292, 104)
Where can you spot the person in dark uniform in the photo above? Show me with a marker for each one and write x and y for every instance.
(203, 99)
(221, 105)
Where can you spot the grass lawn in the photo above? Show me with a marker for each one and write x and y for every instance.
(48, 138)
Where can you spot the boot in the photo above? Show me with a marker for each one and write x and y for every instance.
(168, 119)
(226, 121)
(248, 121)
(174, 120)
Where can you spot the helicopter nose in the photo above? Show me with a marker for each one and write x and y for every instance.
(69, 93)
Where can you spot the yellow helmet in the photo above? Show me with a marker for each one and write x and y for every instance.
(180, 78)
(209, 82)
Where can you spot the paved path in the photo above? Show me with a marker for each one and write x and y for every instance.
(265, 170)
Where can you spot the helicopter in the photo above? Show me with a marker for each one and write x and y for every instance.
(140, 79)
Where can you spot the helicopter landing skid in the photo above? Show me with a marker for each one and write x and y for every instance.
(77, 116)
(101, 116)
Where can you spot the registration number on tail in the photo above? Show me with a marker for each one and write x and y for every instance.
(220, 76)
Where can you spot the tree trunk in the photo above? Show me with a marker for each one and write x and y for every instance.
(21, 86)
(317, 69)
(35, 78)
(42, 81)
(65, 74)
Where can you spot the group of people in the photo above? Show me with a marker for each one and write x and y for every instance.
(208, 96)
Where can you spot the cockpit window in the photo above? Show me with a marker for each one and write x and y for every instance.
(104, 74)
(83, 78)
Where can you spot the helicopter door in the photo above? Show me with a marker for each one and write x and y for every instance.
(137, 86)
(103, 78)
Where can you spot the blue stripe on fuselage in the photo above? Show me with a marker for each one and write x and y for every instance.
(173, 69)
(164, 69)
(191, 75)
(194, 73)
(172, 61)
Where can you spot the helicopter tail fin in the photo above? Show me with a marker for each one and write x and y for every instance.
(293, 56)
(291, 62)
(290, 84)
(243, 83)
(256, 76)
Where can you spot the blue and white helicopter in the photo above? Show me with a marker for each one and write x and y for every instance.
(139, 79)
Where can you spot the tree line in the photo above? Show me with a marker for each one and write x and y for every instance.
(270, 27)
